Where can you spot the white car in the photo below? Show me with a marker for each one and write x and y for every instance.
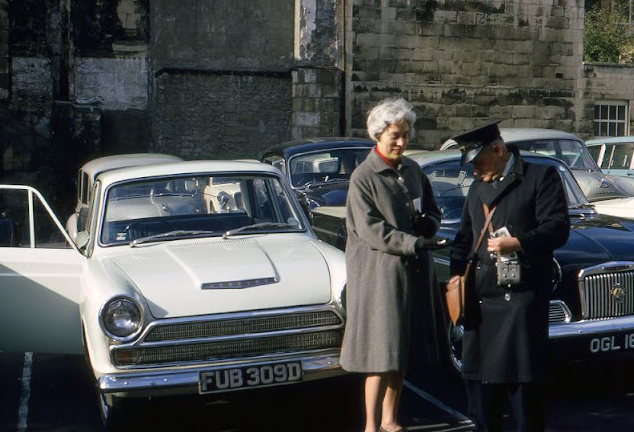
(165, 292)
(86, 177)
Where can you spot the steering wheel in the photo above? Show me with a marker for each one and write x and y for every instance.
(451, 212)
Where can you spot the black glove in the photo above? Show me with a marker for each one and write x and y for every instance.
(431, 244)
(424, 225)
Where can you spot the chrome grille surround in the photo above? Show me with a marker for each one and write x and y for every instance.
(230, 337)
(607, 290)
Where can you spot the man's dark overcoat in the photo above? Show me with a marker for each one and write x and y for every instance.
(506, 330)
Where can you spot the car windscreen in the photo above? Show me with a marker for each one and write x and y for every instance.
(210, 204)
(324, 166)
(574, 153)
(450, 182)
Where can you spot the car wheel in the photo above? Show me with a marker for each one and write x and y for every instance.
(111, 411)
(455, 334)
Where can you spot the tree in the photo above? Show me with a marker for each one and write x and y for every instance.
(607, 37)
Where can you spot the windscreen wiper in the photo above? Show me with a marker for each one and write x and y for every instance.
(256, 226)
(172, 235)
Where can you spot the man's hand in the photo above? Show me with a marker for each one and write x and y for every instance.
(503, 245)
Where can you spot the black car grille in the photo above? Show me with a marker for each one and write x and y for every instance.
(607, 295)
(235, 336)
(225, 350)
(241, 325)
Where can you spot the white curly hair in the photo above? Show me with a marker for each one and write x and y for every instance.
(387, 112)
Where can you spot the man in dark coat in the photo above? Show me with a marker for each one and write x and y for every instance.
(506, 325)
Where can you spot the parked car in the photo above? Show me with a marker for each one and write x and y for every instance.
(86, 177)
(319, 168)
(592, 301)
(615, 155)
(596, 185)
(166, 292)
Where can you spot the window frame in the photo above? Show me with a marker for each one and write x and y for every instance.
(608, 126)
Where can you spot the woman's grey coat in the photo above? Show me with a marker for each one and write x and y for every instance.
(380, 254)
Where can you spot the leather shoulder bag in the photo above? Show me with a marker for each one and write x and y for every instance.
(455, 293)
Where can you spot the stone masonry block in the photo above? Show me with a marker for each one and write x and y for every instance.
(512, 46)
(306, 118)
(523, 112)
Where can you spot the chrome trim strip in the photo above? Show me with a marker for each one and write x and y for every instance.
(313, 367)
(176, 342)
(585, 328)
(612, 266)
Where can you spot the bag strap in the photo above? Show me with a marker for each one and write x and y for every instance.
(487, 226)
(486, 214)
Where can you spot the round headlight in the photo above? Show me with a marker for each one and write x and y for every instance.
(121, 318)
(342, 299)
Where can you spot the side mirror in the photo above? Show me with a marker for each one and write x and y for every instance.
(81, 239)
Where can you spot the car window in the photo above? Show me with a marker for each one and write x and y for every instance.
(595, 152)
(26, 222)
(574, 153)
(620, 155)
(324, 166)
(83, 187)
(213, 203)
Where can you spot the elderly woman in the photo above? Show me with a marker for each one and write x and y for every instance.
(390, 213)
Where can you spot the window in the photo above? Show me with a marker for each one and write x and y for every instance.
(611, 119)
(620, 155)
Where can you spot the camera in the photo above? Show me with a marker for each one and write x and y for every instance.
(509, 270)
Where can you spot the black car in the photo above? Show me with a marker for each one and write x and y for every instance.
(319, 168)
(592, 302)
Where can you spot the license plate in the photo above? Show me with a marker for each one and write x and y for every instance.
(612, 343)
(228, 379)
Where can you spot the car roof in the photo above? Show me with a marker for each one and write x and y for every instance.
(185, 168)
(611, 140)
(290, 148)
(520, 134)
(511, 135)
(440, 155)
(107, 163)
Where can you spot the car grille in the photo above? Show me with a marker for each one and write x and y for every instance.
(608, 293)
(558, 312)
(244, 325)
(217, 351)
(227, 337)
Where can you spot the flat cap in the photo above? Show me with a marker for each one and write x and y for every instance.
(471, 142)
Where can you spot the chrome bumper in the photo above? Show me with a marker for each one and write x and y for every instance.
(178, 381)
(590, 328)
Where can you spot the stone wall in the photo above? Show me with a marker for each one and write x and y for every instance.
(221, 75)
(214, 115)
(604, 82)
(462, 63)
(4, 50)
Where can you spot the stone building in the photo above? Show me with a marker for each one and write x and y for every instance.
(227, 78)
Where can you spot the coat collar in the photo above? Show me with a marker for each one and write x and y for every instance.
(378, 165)
(489, 194)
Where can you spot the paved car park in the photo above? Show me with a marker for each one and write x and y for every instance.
(55, 393)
